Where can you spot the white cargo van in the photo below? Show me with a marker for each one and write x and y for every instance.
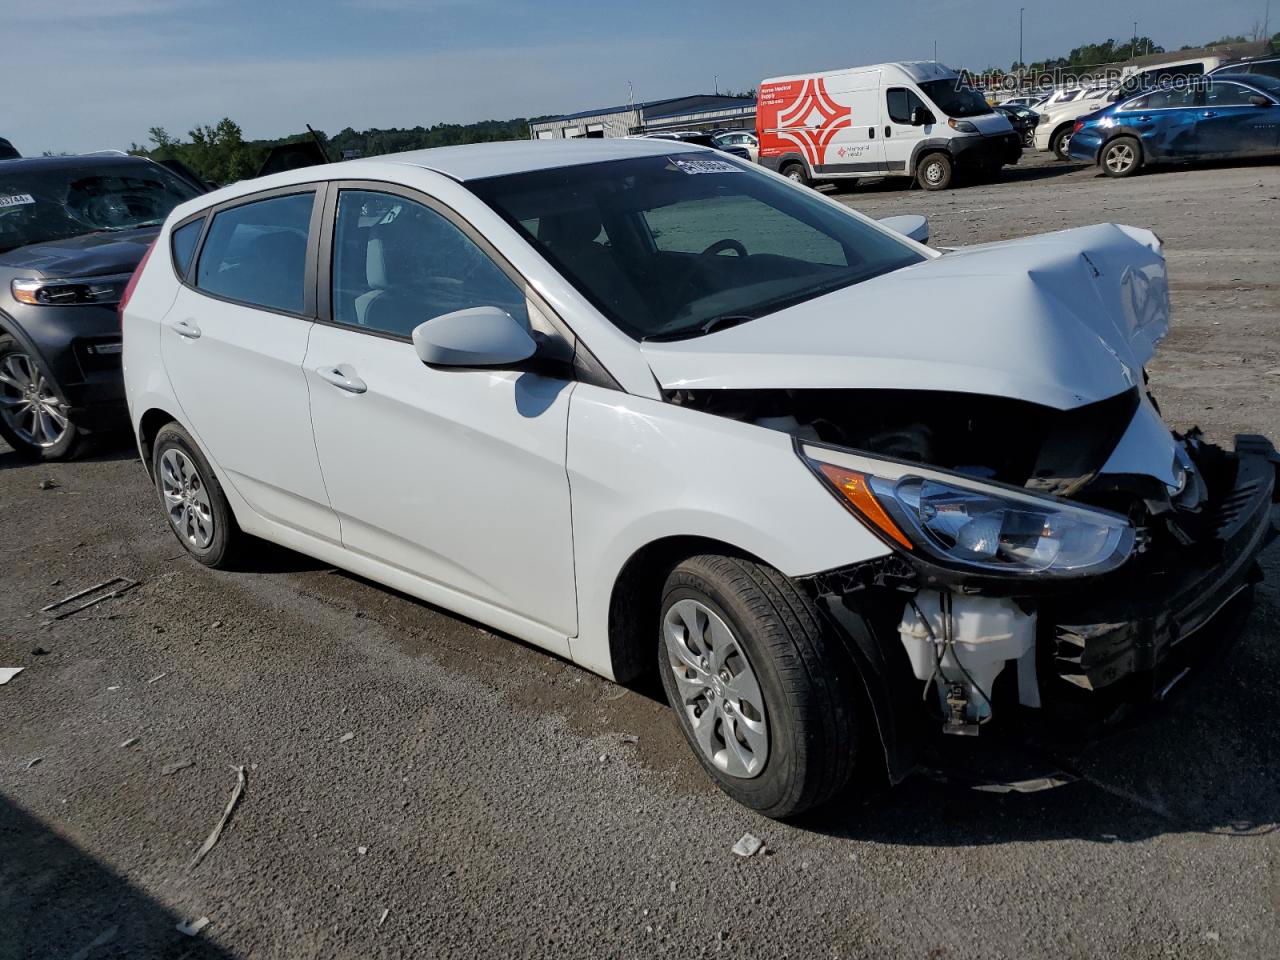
(908, 119)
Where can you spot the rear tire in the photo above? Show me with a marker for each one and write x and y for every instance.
(934, 171)
(1121, 157)
(193, 500)
(1060, 142)
(33, 413)
(754, 631)
(796, 173)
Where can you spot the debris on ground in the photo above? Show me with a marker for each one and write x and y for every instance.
(113, 587)
(194, 927)
(39, 652)
(169, 769)
(8, 673)
(47, 484)
(362, 850)
(630, 738)
(222, 821)
(105, 937)
(346, 737)
(382, 919)
(129, 743)
(158, 676)
(748, 846)
(33, 761)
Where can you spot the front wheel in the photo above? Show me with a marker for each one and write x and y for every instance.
(766, 699)
(1121, 157)
(33, 415)
(934, 171)
(1060, 142)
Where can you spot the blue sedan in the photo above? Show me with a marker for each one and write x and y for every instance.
(1223, 116)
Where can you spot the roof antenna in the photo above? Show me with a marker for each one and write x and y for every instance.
(324, 152)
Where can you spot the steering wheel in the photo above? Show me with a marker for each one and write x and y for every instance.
(691, 274)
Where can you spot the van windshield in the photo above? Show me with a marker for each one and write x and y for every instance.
(955, 100)
(678, 245)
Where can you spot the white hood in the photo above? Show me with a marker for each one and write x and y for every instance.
(1059, 319)
(993, 124)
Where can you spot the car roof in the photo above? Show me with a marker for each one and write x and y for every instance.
(475, 161)
(1259, 81)
(74, 160)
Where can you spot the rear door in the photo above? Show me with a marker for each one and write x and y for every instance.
(1165, 121)
(453, 476)
(1230, 125)
(233, 344)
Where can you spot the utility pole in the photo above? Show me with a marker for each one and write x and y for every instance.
(717, 83)
(935, 51)
(1021, 63)
(1133, 47)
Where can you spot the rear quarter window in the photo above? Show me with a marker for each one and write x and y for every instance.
(183, 244)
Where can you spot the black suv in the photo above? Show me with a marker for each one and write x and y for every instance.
(72, 229)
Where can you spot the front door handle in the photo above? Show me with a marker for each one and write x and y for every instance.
(1142, 119)
(349, 383)
(187, 328)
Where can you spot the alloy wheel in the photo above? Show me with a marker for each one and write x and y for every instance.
(30, 406)
(718, 690)
(186, 499)
(1120, 158)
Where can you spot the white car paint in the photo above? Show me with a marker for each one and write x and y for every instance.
(516, 500)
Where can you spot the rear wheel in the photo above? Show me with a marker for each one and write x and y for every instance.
(795, 172)
(33, 415)
(1121, 157)
(1060, 142)
(192, 498)
(766, 700)
(934, 171)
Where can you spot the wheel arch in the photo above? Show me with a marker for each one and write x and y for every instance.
(9, 326)
(927, 146)
(149, 425)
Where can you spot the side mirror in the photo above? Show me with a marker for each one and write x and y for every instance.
(920, 117)
(475, 337)
(911, 225)
(1258, 100)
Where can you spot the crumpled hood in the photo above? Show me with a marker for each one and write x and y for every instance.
(992, 124)
(88, 255)
(1059, 319)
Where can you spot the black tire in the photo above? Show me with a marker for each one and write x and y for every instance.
(72, 441)
(227, 538)
(1061, 141)
(796, 173)
(810, 691)
(934, 171)
(1121, 157)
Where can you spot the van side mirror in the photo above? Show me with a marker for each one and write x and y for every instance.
(921, 117)
(1258, 100)
(911, 225)
(475, 337)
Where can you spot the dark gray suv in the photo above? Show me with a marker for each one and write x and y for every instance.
(72, 230)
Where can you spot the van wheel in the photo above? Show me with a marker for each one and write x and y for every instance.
(795, 172)
(1121, 157)
(33, 415)
(934, 171)
(767, 700)
(1060, 142)
(192, 498)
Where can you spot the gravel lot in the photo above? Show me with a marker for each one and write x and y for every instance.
(487, 805)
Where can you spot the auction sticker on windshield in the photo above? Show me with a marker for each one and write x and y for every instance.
(707, 166)
(16, 199)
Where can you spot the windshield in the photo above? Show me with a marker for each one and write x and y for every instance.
(955, 100)
(56, 202)
(674, 246)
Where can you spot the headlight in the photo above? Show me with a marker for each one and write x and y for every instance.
(964, 126)
(40, 293)
(961, 521)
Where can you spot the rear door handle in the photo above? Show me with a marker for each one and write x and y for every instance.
(1142, 119)
(349, 383)
(187, 328)
(1210, 113)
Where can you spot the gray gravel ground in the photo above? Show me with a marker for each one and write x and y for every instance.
(499, 811)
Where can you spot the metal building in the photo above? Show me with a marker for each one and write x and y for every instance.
(698, 112)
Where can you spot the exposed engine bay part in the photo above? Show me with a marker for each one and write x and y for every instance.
(958, 645)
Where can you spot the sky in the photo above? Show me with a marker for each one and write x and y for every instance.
(97, 74)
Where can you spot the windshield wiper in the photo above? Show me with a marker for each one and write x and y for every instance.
(722, 322)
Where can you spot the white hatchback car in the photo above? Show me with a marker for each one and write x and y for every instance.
(655, 409)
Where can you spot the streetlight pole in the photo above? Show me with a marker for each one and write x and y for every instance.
(1021, 63)
(1133, 47)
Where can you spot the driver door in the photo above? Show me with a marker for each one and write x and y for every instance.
(901, 136)
(453, 477)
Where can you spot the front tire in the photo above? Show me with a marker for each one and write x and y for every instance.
(766, 699)
(33, 415)
(193, 499)
(1060, 142)
(1121, 157)
(934, 171)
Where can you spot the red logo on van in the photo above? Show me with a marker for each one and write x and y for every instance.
(800, 114)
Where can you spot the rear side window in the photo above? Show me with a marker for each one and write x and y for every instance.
(183, 244)
(256, 253)
(1227, 95)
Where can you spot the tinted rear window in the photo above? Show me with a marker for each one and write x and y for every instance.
(183, 243)
(256, 253)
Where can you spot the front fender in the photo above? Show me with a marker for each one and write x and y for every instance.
(641, 471)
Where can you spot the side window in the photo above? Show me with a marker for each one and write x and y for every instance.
(183, 244)
(901, 102)
(1227, 95)
(256, 253)
(397, 263)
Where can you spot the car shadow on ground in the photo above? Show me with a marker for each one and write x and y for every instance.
(105, 451)
(56, 900)
(1010, 175)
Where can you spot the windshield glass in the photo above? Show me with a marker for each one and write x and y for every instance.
(674, 246)
(955, 101)
(56, 202)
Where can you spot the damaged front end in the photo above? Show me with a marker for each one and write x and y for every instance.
(1056, 551)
